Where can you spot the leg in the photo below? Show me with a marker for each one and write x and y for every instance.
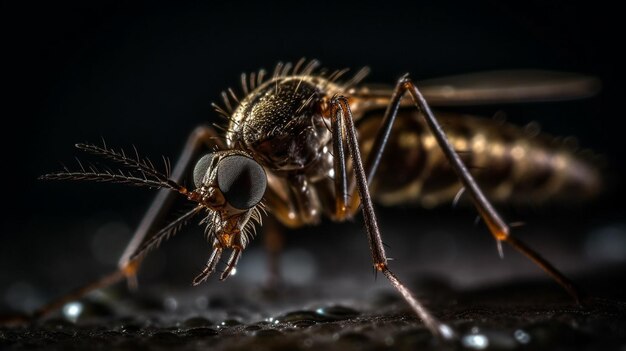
(497, 226)
(339, 165)
(340, 106)
(128, 268)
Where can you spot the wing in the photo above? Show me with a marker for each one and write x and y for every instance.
(492, 87)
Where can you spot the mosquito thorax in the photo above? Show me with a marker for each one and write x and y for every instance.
(281, 122)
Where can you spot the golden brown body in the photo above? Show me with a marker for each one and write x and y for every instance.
(511, 164)
(284, 124)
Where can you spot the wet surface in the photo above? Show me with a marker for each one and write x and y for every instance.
(330, 300)
(519, 316)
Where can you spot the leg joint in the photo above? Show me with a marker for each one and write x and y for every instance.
(381, 266)
(338, 100)
(405, 81)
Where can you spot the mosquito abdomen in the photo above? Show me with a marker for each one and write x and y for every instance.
(511, 164)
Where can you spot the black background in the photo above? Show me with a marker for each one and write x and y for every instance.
(145, 74)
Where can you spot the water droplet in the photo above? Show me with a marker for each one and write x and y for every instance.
(337, 312)
(521, 336)
(446, 332)
(229, 323)
(475, 341)
(479, 338)
(72, 311)
(297, 316)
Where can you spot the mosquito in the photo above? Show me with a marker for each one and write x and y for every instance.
(304, 143)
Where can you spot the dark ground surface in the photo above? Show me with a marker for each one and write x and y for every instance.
(331, 301)
(530, 315)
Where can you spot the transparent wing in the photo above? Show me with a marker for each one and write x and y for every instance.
(492, 87)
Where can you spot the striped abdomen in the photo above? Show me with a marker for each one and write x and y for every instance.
(509, 163)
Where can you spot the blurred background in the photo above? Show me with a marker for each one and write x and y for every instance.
(145, 75)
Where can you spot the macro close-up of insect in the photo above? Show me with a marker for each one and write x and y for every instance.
(399, 178)
(293, 147)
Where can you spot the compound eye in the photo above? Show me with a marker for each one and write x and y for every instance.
(242, 181)
(201, 168)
